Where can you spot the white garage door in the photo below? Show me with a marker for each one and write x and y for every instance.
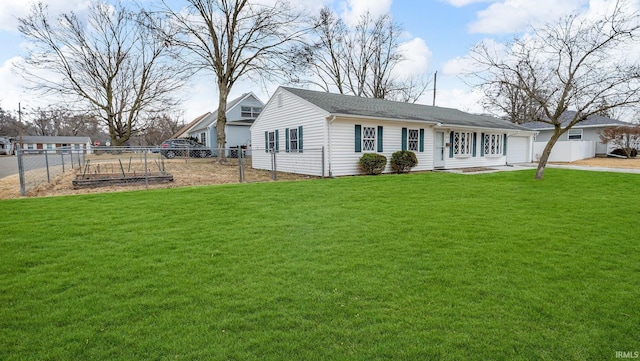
(517, 150)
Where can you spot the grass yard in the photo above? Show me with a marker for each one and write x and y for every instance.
(403, 267)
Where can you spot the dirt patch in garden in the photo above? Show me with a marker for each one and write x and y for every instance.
(192, 173)
(607, 162)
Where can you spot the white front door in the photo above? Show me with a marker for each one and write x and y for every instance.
(438, 152)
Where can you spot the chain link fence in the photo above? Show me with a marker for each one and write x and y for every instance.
(127, 166)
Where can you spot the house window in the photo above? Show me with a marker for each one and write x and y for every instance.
(272, 140)
(293, 139)
(203, 138)
(250, 112)
(575, 134)
(368, 139)
(493, 144)
(413, 140)
(462, 143)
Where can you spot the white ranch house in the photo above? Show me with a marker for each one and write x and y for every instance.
(297, 123)
(241, 113)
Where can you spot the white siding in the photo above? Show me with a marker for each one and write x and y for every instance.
(293, 113)
(344, 159)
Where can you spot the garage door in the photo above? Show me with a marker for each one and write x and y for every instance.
(517, 150)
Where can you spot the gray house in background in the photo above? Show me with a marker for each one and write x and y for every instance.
(6, 148)
(241, 113)
(585, 131)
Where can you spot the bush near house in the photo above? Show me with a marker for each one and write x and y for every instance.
(403, 160)
(628, 152)
(373, 163)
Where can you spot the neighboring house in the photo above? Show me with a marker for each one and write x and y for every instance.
(6, 147)
(241, 113)
(580, 142)
(297, 122)
(36, 143)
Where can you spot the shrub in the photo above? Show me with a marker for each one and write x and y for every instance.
(372, 163)
(403, 160)
(620, 151)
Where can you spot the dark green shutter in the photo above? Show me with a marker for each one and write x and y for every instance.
(380, 138)
(300, 139)
(266, 142)
(404, 138)
(277, 141)
(286, 142)
(358, 138)
(421, 140)
(504, 150)
(451, 145)
(482, 144)
(475, 142)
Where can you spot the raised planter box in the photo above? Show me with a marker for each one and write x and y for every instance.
(118, 179)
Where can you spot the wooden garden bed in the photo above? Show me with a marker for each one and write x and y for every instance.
(113, 179)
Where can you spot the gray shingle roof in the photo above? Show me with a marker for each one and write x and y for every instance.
(56, 140)
(565, 118)
(339, 104)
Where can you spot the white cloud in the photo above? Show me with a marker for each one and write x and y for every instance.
(461, 3)
(11, 94)
(508, 16)
(11, 10)
(417, 58)
(467, 100)
(353, 9)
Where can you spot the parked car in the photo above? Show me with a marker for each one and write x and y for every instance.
(171, 148)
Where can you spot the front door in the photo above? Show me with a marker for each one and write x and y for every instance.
(438, 152)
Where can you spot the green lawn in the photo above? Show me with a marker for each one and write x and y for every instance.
(404, 267)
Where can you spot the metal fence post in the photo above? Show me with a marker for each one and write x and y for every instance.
(21, 170)
(240, 165)
(146, 170)
(322, 156)
(46, 162)
(274, 167)
(62, 161)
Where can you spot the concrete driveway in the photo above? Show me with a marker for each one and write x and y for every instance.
(8, 165)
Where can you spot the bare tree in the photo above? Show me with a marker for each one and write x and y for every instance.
(9, 125)
(159, 128)
(237, 39)
(576, 64)
(512, 102)
(112, 64)
(361, 60)
(625, 137)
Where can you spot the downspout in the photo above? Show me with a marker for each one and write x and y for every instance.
(333, 118)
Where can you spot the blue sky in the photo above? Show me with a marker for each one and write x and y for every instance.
(438, 34)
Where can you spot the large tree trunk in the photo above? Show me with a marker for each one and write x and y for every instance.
(544, 158)
(222, 123)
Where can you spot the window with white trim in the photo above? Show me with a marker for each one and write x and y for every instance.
(250, 112)
(493, 144)
(203, 138)
(272, 140)
(462, 143)
(413, 139)
(368, 139)
(293, 139)
(574, 134)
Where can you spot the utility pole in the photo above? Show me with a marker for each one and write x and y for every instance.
(435, 79)
(20, 125)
